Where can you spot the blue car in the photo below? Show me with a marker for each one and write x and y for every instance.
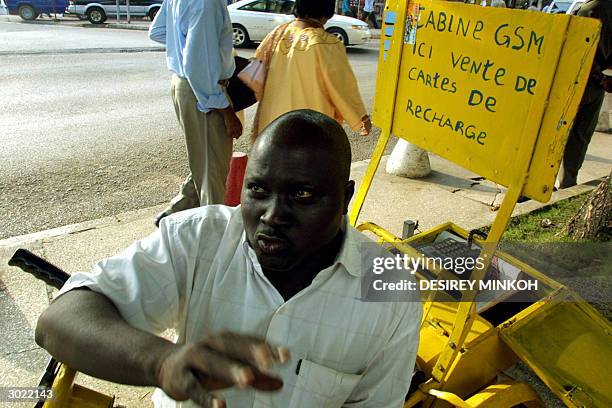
(31, 9)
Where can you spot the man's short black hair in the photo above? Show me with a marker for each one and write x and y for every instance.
(314, 8)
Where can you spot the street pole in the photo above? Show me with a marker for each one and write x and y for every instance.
(128, 11)
(118, 11)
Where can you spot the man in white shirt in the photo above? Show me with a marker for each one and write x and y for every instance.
(244, 286)
(368, 13)
(198, 40)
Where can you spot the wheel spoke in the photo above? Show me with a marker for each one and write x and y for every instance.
(238, 36)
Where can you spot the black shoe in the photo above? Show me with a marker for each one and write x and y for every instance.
(159, 217)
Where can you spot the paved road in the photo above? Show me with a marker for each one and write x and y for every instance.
(34, 38)
(88, 133)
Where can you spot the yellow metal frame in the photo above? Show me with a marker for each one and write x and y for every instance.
(460, 352)
(488, 350)
(482, 355)
(594, 329)
(452, 351)
(506, 393)
(466, 313)
(67, 394)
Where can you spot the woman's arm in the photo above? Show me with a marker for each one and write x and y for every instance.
(341, 85)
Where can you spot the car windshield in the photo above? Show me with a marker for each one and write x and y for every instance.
(270, 6)
(255, 6)
(560, 6)
(281, 6)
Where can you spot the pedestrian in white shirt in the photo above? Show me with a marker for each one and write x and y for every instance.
(198, 39)
(266, 298)
(368, 13)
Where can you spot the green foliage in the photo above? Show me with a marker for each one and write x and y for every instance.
(532, 227)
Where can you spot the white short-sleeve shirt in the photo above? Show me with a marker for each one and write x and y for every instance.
(198, 275)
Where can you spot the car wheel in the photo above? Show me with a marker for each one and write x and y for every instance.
(96, 15)
(240, 36)
(153, 13)
(340, 34)
(27, 12)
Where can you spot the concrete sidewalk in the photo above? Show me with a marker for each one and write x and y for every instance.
(449, 194)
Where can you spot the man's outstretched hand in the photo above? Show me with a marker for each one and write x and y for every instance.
(227, 359)
(126, 355)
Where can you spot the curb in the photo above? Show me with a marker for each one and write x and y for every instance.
(119, 26)
(122, 50)
(559, 195)
(70, 229)
(57, 22)
(530, 206)
(126, 26)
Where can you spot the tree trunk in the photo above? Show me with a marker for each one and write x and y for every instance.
(594, 218)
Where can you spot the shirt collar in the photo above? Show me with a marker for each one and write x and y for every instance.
(350, 255)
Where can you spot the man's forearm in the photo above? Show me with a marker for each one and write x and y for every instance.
(84, 330)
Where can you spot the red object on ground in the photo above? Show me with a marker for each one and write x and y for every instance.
(235, 178)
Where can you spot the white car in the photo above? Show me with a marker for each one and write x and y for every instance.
(252, 20)
(563, 6)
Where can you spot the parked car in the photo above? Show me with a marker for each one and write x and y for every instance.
(252, 20)
(3, 8)
(31, 9)
(558, 7)
(97, 11)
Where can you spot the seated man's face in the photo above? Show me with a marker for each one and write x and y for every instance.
(293, 200)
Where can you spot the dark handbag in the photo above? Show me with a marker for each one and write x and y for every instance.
(241, 95)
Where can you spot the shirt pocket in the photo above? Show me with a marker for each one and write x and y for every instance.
(321, 387)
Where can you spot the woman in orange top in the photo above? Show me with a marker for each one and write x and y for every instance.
(309, 69)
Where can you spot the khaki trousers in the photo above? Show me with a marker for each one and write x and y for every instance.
(209, 150)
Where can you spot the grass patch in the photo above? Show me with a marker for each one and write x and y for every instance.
(582, 265)
(535, 227)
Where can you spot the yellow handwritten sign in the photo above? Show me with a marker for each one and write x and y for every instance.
(484, 87)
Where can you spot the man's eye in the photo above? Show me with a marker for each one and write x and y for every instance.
(303, 194)
(256, 189)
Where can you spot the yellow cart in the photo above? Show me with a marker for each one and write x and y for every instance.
(495, 91)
